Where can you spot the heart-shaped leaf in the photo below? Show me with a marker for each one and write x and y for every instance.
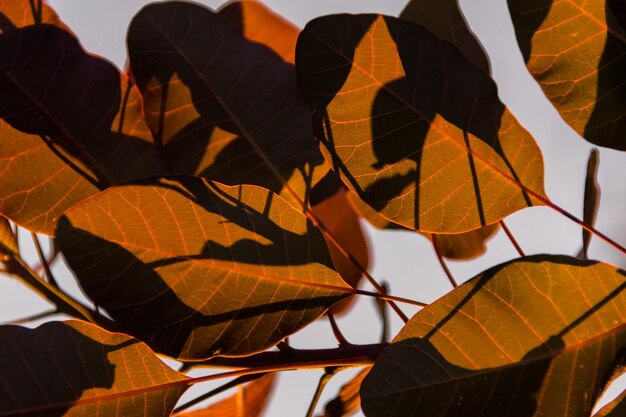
(414, 128)
(197, 269)
(445, 19)
(249, 401)
(538, 336)
(576, 50)
(63, 368)
(72, 125)
(224, 107)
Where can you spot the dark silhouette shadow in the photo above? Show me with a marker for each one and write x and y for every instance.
(51, 364)
(240, 90)
(438, 81)
(441, 388)
(51, 88)
(144, 297)
(607, 123)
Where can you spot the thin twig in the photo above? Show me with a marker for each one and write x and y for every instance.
(365, 358)
(43, 261)
(442, 262)
(328, 374)
(34, 317)
(336, 331)
(19, 269)
(231, 384)
(512, 238)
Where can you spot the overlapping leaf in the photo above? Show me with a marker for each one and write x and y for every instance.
(445, 19)
(576, 50)
(225, 108)
(412, 127)
(249, 401)
(538, 336)
(63, 367)
(260, 24)
(72, 125)
(197, 269)
(20, 13)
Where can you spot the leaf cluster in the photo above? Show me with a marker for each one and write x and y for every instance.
(208, 200)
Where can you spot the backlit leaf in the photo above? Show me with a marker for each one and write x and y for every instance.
(576, 50)
(445, 19)
(538, 336)
(262, 25)
(8, 242)
(348, 401)
(616, 408)
(249, 401)
(72, 125)
(225, 108)
(412, 127)
(198, 269)
(60, 363)
(19, 13)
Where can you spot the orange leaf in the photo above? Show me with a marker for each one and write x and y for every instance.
(412, 127)
(249, 401)
(576, 50)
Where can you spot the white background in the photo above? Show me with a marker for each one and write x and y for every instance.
(405, 260)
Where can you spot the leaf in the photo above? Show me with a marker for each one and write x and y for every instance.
(577, 53)
(249, 401)
(72, 126)
(592, 200)
(20, 13)
(60, 363)
(413, 128)
(445, 20)
(615, 408)
(538, 335)
(262, 25)
(8, 241)
(465, 246)
(198, 269)
(224, 107)
(348, 401)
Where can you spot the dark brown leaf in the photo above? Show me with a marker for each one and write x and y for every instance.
(348, 401)
(225, 108)
(445, 19)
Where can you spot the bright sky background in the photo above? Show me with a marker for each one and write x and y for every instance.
(406, 260)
